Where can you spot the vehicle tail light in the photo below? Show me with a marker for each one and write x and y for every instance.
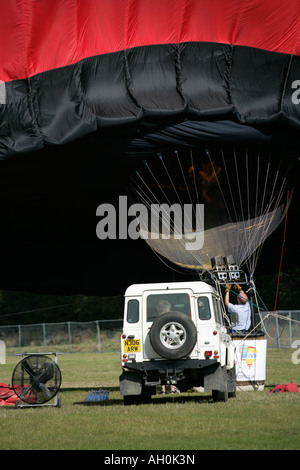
(207, 354)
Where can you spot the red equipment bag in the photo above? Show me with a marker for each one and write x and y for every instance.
(291, 387)
(7, 395)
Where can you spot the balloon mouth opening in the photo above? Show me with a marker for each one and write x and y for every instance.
(242, 190)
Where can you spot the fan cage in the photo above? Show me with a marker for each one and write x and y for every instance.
(36, 379)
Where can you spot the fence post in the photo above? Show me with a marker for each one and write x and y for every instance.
(277, 332)
(20, 339)
(44, 338)
(70, 338)
(98, 335)
(290, 328)
(16, 337)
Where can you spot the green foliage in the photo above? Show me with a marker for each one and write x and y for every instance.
(289, 286)
(27, 308)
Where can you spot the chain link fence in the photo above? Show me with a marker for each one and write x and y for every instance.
(282, 330)
(66, 337)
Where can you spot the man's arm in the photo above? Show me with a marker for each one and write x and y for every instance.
(242, 296)
(226, 298)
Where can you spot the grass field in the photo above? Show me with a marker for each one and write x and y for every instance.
(190, 421)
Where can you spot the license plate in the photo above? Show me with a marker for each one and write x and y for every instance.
(132, 345)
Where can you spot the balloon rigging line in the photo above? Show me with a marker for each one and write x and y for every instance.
(219, 185)
(250, 302)
(248, 194)
(247, 179)
(257, 179)
(184, 179)
(230, 190)
(264, 319)
(56, 306)
(172, 183)
(178, 197)
(150, 206)
(147, 201)
(220, 189)
(273, 201)
(241, 202)
(264, 216)
(153, 208)
(157, 182)
(186, 185)
(281, 256)
(252, 268)
(194, 176)
(263, 212)
(170, 179)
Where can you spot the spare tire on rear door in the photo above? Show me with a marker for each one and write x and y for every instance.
(173, 335)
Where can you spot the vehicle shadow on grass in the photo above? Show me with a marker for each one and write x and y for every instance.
(156, 400)
(88, 389)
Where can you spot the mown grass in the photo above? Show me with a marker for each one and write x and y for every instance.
(190, 421)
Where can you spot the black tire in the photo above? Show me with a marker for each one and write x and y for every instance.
(144, 397)
(137, 399)
(219, 396)
(173, 335)
(131, 400)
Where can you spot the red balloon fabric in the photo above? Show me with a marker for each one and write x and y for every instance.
(69, 68)
(40, 36)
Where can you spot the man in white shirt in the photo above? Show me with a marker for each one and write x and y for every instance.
(242, 309)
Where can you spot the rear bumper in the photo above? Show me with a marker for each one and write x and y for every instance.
(172, 367)
(138, 377)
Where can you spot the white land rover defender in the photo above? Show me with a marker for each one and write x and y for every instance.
(174, 333)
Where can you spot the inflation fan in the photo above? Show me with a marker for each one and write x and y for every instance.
(36, 380)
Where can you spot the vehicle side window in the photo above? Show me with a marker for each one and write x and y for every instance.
(133, 311)
(203, 308)
(218, 313)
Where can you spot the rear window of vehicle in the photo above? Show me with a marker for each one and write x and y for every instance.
(133, 309)
(157, 304)
(203, 308)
